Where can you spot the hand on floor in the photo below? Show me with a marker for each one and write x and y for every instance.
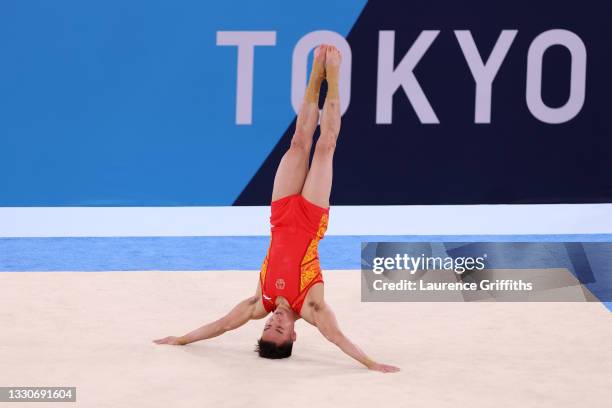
(384, 368)
(174, 341)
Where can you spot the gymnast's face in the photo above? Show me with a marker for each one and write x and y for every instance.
(279, 327)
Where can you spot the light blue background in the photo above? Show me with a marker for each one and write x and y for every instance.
(124, 103)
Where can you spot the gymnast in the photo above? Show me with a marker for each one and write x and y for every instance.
(290, 283)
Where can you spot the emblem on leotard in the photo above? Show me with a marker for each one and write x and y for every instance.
(280, 284)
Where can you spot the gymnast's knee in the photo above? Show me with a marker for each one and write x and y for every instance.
(326, 145)
(300, 142)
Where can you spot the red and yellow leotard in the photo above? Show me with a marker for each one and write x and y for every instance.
(291, 266)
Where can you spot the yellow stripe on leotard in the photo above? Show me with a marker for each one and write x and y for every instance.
(310, 266)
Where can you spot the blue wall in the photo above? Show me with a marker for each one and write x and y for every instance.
(133, 104)
(121, 103)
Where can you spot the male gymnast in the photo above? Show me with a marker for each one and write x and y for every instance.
(290, 281)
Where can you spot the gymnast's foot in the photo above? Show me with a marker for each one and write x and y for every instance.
(316, 75)
(333, 59)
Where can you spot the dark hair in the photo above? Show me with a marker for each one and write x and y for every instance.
(268, 349)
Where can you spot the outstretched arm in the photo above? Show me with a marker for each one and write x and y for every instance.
(243, 312)
(325, 321)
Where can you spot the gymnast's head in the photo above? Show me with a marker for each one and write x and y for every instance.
(278, 334)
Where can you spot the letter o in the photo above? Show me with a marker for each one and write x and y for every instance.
(534, 76)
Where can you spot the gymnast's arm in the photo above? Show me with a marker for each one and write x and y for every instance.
(248, 309)
(319, 314)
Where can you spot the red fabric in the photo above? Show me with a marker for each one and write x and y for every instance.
(297, 224)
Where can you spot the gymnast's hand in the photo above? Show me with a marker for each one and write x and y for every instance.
(383, 368)
(174, 341)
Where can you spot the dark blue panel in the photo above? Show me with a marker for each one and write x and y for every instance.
(516, 158)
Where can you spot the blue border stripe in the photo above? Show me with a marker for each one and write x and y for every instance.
(205, 253)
